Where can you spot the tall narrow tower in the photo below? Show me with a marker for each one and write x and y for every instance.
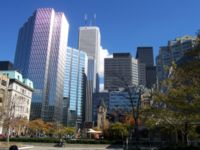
(147, 70)
(40, 56)
(89, 42)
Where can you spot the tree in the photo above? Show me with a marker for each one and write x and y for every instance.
(64, 131)
(118, 130)
(70, 131)
(177, 105)
(20, 125)
(38, 127)
(8, 112)
(135, 108)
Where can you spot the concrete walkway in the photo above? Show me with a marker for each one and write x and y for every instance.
(50, 146)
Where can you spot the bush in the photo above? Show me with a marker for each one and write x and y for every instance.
(89, 141)
(37, 140)
(54, 140)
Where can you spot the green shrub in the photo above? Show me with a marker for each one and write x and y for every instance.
(54, 140)
(38, 140)
(89, 141)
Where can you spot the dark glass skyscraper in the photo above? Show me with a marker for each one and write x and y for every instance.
(147, 70)
(40, 56)
(145, 55)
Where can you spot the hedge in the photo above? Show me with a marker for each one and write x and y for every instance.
(37, 140)
(54, 140)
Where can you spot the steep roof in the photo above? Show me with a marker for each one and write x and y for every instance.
(102, 103)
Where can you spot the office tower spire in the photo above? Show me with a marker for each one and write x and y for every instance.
(40, 56)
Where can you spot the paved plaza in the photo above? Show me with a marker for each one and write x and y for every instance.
(72, 147)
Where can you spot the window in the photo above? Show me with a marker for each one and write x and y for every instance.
(3, 82)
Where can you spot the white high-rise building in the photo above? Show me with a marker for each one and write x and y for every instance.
(89, 42)
(135, 71)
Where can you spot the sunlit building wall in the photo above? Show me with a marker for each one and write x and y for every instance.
(89, 42)
(40, 56)
(121, 70)
(75, 70)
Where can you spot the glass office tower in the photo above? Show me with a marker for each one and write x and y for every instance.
(75, 71)
(40, 56)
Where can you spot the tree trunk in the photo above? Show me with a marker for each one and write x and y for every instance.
(176, 134)
(136, 136)
(8, 135)
(186, 133)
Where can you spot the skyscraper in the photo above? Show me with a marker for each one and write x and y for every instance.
(76, 69)
(89, 42)
(145, 55)
(40, 56)
(147, 70)
(174, 51)
(163, 60)
(120, 70)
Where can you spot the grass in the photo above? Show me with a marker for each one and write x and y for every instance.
(6, 145)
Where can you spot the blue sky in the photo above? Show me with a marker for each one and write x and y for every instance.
(124, 24)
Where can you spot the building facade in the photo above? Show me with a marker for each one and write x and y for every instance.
(147, 70)
(4, 82)
(163, 60)
(120, 70)
(17, 103)
(142, 74)
(6, 65)
(145, 55)
(101, 115)
(89, 42)
(120, 101)
(19, 93)
(75, 71)
(173, 52)
(40, 56)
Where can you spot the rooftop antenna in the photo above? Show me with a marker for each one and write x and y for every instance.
(95, 16)
(90, 22)
(85, 19)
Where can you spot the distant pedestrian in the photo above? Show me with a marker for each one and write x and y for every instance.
(13, 147)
